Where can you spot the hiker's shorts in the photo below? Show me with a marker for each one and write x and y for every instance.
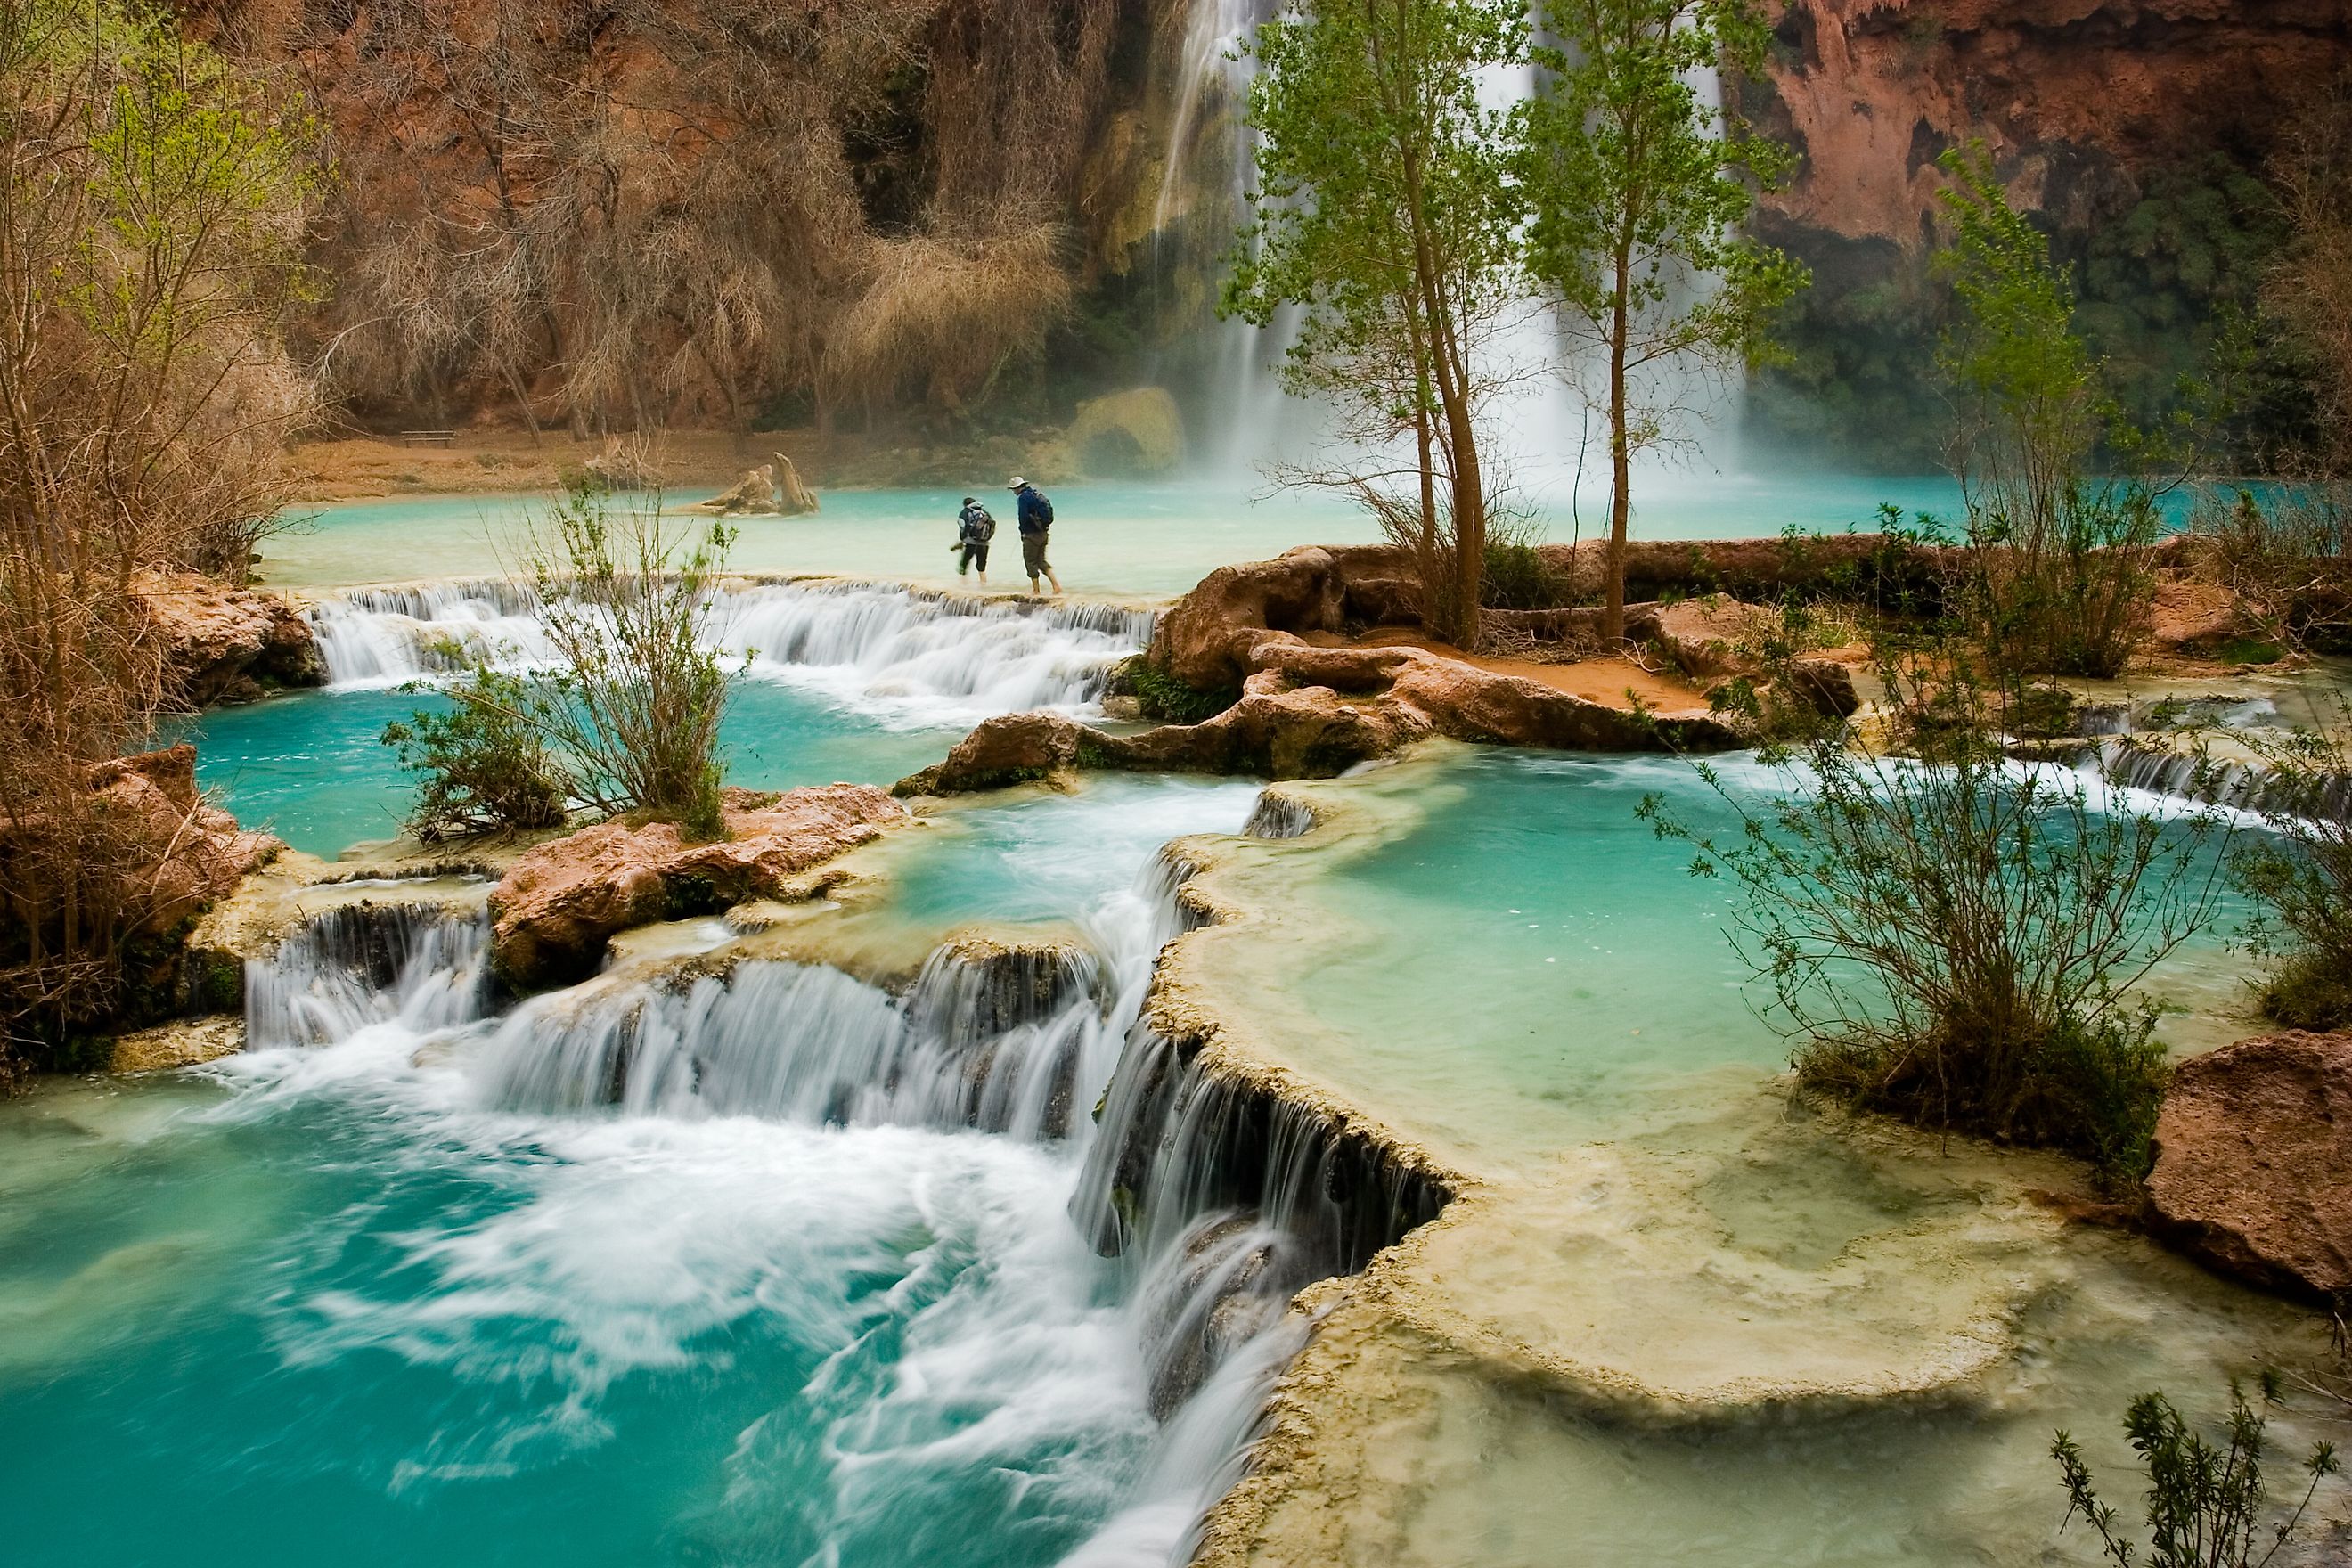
(974, 555)
(1033, 555)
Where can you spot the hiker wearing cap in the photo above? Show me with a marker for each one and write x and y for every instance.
(1036, 515)
(974, 528)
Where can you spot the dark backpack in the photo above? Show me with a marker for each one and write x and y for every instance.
(1036, 512)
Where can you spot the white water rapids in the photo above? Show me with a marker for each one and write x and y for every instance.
(906, 655)
(694, 1152)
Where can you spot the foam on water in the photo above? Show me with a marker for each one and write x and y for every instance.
(912, 655)
(724, 1265)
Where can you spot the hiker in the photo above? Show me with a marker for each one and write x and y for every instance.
(1035, 515)
(974, 528)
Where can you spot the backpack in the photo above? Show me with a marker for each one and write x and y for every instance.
(1035, 509)
(980, 523)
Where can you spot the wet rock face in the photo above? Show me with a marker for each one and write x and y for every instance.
(2253, 1169)
(199, 852)
(564, 901)
(227, 645)
(1289, 726)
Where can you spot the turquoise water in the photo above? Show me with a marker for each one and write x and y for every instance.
(1145, 539)
(1584, 971)
(328, 1313)
(350, 1303)
(309, 768)
(1033, 855)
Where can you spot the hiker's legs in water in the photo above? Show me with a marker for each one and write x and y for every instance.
(1033, 562)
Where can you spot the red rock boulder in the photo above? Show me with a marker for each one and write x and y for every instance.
(565, 900)
(227, 645)
(2253, 1166)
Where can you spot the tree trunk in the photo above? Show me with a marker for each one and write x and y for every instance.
(1620, 467)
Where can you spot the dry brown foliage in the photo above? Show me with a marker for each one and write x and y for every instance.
(652, 211)
(2311, 291)
(151, 208)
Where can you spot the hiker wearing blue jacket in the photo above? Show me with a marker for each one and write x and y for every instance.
(974, 528)
(1036, 515)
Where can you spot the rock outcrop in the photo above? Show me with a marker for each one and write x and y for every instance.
(1128, 433)
(227, 645)
(1312, 712)
(771, 490)
(1206, 639)
(199, 853)
(562, 901)
(2254, 1167)
(2190, 616)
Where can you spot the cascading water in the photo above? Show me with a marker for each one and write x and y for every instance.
(928, 656)
(383, 637)
(1160, 1360)
(903, 653)
(1539, 419)
(361, 965)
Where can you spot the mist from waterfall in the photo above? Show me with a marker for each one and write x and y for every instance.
(1548, 431)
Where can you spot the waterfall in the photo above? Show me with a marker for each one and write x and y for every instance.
(2235, 786)
(363, 965)
(1538, 420)
(1278, 815)
(384, 637)
(930, 655)
(895, 650)
(1218, 1200)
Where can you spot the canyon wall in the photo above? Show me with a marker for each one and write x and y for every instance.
(2136, 130)
(906, 214)
(750, 212)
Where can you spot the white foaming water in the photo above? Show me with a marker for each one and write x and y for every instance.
(361, 965)
(927, 657)
(375, 637)
(775, 1140)
(902, 654)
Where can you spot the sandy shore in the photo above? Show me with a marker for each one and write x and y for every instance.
(488, 462)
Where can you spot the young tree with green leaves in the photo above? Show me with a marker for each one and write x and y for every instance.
(627, 721)
(1385, 209)
(1639, 191)
(2060, 564)
(154, 202)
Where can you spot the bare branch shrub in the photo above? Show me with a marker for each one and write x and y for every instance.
(1955, 937)
(152, 203)
(635, 702)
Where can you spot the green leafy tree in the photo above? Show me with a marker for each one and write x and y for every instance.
(2060, 564)
(1385, 210)
(482, 765)
(1640, 192)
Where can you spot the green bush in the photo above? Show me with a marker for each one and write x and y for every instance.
(1954, 938)
(2300, 875)
(1168, 699)
(2205, 1505)
(1518, 577)
(483, 766)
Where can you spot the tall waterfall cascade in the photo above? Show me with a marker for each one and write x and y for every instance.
(1541, 421)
